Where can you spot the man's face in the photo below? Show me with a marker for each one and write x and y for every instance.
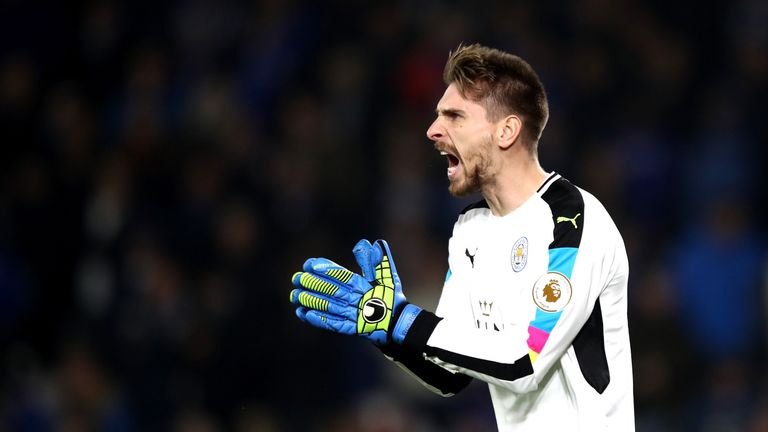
(464, 135)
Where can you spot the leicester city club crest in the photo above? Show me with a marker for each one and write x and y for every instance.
(519, 254)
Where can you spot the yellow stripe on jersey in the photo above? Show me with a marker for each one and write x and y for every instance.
(533, 355)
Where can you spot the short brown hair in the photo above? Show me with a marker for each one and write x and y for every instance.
(504, 83)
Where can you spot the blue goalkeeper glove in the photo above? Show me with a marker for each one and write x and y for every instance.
(371, 305)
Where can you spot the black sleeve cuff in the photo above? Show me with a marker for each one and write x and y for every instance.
(441, 380)
(420, 331)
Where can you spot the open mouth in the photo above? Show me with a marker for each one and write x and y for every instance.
(453, 162)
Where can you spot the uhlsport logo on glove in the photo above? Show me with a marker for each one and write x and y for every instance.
(374, 310)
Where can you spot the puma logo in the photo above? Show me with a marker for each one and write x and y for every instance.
(571, 220)
(471, 257)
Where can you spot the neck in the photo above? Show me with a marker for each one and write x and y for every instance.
(515, 181)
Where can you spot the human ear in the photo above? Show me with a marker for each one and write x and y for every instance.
(509, 130)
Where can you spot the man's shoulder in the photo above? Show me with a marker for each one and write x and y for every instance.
(562, 194)
(481, 205)
(473, 216)
(564, 197)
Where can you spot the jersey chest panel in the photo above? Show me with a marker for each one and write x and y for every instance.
(495, 262)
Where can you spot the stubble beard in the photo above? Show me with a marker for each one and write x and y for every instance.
(477, 171)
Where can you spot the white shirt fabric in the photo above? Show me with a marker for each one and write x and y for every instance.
(535, 304)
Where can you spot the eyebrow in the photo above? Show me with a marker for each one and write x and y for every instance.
(450, 111)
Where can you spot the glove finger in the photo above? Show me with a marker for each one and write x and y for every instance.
(324, 321)
(314, 301)
(367, 257)
(313, 318)
(319, 284)
(301, 312)
(332, 271)
(386, 274)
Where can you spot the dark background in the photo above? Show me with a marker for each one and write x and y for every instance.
(166, 166)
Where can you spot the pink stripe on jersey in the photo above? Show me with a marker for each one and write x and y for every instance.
(536, 339)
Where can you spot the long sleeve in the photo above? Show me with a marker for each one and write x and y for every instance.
(560, 310)
(437, 379)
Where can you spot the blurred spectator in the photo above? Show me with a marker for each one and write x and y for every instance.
(166, 166)
(719, 278)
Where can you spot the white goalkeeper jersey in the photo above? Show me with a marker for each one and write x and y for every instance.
(534, 304)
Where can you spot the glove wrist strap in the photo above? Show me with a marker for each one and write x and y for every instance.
(404, 322)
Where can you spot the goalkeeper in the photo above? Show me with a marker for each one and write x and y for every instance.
(535, 297)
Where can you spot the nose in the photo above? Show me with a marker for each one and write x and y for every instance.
(435, 131)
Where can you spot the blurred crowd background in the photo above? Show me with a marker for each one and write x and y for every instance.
(166, 166)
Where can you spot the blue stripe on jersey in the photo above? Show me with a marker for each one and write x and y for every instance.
(545, 320)
(561, 260)
(448, 275)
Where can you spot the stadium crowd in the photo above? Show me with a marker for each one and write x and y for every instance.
(166, 166)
